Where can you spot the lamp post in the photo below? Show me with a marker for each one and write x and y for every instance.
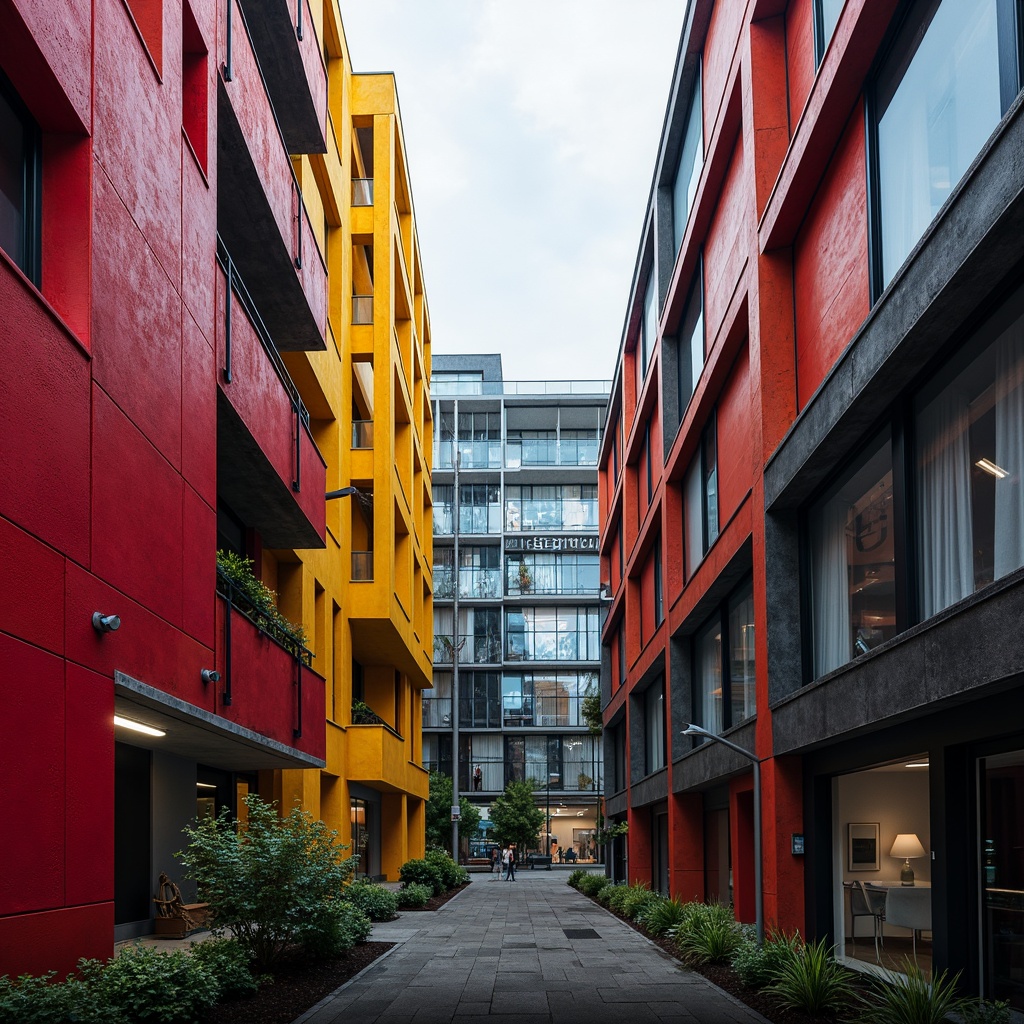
(696, 730)
(551, 775)
(456, 645)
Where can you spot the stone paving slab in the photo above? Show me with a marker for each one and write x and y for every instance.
(499, 952)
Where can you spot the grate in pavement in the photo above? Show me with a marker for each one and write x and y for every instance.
(580, 933)
(520, 945)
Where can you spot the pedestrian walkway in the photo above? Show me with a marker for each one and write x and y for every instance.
(533, 951)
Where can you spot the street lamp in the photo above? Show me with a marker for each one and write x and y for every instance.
(551, 775)
(696, 730)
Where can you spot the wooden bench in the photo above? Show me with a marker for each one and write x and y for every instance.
(175, 919)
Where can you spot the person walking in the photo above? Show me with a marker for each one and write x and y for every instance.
(506, 862)
(495, 860)
(513, 858)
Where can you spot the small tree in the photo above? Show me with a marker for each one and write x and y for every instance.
(439, 814)
(516, 817)
(275, 881)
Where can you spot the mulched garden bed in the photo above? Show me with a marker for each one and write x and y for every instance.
(726, 978)
(301, 984)
(296, 987)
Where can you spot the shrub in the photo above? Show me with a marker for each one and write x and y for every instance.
(813, 982)
(228, 962)
(142, 984)
(423, 873)
(376, 902)
(451, 874)
(414, 895)
(661, 916)
(708, 933)
(266, 879)
(758, 966)
(912, 998)
(637, 899)
(41, 1000)
(593, 884)
(982, 1012)
(575, 877)
(336, 929)
(616, 899)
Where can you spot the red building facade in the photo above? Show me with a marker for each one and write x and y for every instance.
(147, 197)
(811, 481)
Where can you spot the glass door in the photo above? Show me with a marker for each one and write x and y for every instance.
(1001, 875)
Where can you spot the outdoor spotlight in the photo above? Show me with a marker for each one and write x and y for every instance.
(210, 675)
(344, 492)
(105, 623)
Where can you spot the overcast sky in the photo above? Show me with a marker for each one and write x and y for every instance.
(532, 128)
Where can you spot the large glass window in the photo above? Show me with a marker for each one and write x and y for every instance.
(479, 700)
(466, 382)
(724, 664)
(826, 15)
(531, 572)
(19, 182)
(552, 634)
(478, 639)
(479, 508)
(544, 699)
(950, 77)
(691, 161)
(690, 349)
(537, 759)
(551, 507)
(700, 500)
(648, 324)
(969, 427)
(853, 599)
(437, 703)
(654, 727)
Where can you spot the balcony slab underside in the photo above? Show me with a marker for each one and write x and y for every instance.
(286, 60)
(263, 255)
(198, 735)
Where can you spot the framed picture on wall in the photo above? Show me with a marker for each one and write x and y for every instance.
(862, 846)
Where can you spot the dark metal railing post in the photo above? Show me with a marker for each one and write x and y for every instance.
(297, 482)
(228, 68)
(227, 643)
(298, 19)
(298, 218)
(298, 665)
(227, 319)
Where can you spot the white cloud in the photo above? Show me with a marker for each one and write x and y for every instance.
(532, 129)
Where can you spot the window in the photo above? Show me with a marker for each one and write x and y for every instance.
(654, 727)
(457, 383)
(479, 701)
(542, 573)
(826, 14)
(551, 507)
(690, 346)
(552, 634)
(647, 462)
(648, 324)
(951, 75)
(194, 86)
(478, 639)
(691, 161)
(20, 215)
(659, 601)
(537, 759)
(622, 651)
(546, 699)
(969, 480)
(853, 604)
(724, 692)
(700, 500)
(618, 745)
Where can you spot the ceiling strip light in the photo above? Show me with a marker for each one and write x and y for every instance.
(205, 785)
(990, 467)
(917, 764)
(127, 723)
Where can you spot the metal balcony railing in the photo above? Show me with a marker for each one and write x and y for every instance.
(362, 191)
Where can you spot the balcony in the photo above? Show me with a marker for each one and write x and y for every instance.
(379, 757)
(260, 210)
(529, 452)
(266, 682)
(269, 469)
(289, 52)
(473, 650)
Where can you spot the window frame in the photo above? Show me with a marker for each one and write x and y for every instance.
(31, 174)
(656, 690)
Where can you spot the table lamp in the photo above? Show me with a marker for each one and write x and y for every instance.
(907, 845)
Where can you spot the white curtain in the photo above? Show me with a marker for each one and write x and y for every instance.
(945, 521)
(1009, 525)
(831, 587)
(711, 680)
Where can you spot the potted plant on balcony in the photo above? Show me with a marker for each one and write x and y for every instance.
(525, 579)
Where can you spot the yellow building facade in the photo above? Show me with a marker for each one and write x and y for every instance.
(365, 601)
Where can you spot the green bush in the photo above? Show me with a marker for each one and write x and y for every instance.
(615, 901)
(376, 902)
(41, 1000)
(451, 874)
(637, 899)
(229, 964)
(813, 982)
(912, 998)
(662, 915)
(575, 876)
(414, 895)
(708, 933)
(423, 873)
(758, 966)
(336, 929)
(268, 878)
(593, 884)
(142, 984)
(982, 1012)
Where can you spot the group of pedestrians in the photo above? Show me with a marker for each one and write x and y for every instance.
(505, 860)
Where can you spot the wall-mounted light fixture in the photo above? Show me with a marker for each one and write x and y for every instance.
(146, 730)
(105, 623)
(344, 492)
(210, 675)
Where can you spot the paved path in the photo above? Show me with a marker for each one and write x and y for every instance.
(533, 951)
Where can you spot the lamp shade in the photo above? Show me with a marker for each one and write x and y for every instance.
(907, 845)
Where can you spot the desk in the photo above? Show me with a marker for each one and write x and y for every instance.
(909, 907)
